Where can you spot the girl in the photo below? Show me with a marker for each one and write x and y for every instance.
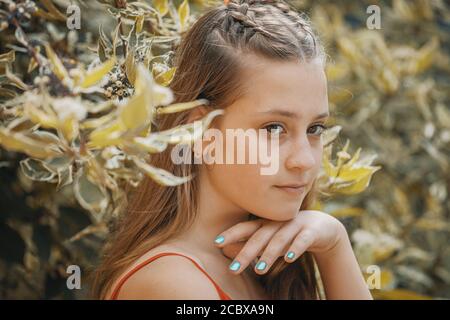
(261, 63)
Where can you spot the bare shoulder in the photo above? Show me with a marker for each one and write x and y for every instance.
(168, 277)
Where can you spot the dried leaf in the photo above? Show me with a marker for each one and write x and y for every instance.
(90, 196)
(97, 74)
(161, 176)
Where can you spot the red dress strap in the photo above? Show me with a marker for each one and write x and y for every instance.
(222, 294)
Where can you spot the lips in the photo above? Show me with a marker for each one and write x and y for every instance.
(293, 189)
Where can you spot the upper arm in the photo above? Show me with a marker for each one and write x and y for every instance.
(169, 278)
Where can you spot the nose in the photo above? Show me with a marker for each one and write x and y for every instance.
(301, 155)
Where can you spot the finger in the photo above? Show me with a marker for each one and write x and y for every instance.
(231, 250)
(252, 247)
(238, 232)
(300, 244)
(279, 243)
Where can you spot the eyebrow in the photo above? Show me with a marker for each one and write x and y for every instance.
(290, 114)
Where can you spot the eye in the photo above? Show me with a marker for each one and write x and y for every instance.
(274, 128)
(321, 129)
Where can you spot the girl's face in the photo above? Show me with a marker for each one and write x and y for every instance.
(288, 100)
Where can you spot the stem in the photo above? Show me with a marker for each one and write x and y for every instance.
(124, 42)
(122, 4)
(27, 44)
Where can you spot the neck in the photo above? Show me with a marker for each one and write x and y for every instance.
(214, 215)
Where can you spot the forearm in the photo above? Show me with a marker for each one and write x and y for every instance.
(340, 272)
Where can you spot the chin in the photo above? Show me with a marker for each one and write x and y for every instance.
(284, 215)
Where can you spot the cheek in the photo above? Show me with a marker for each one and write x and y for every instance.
(246, 188)
(317, 154)
(240, 183)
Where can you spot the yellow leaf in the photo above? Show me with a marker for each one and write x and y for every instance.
(151, 143)
(16, 141)
(40, 117)
(183, 134)
(137, 112)
(97, 122)
(53, 11)
(337, 71)
(182, 106)
(69, 127)
(130, 67)
(139, 23)
(349, 49)
(161, 95)
(433, 224)
(55, 64)
(15, 80)
(95, 75)
(162, 6)
(347, 212)
(183, 13)
(32, 65)
(354, 158)
(190, 132)
(382, 253)
(8, 57)
(106, 136)
(398, 294)
(425, 56)
(160, 176)
(166, 77)
(352, 174)
(388, 81)
(361, 178)
(403, 10)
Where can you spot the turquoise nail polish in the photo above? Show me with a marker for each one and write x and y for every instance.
(234, 266)
(261, 265)
(219, 239)
(290, 255)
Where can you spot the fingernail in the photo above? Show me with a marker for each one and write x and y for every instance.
(261, 265)
(290, 255)
(219, 239)
(234, 266)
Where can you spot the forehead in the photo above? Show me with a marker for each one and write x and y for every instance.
(297, 86)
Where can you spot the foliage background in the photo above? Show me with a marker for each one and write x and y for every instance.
(389, 94)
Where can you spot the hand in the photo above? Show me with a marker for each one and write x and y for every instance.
(311, 230)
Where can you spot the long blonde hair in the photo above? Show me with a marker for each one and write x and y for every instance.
(208, 65)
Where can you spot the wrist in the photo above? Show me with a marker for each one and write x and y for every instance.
(341, 244)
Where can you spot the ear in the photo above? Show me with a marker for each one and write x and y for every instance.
(198, 113)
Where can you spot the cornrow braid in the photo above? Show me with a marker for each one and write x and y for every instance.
(239, 13)
(301, 21)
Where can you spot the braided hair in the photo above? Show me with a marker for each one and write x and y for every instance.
(245, 18)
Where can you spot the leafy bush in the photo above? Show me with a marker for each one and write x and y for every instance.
(76, 127)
